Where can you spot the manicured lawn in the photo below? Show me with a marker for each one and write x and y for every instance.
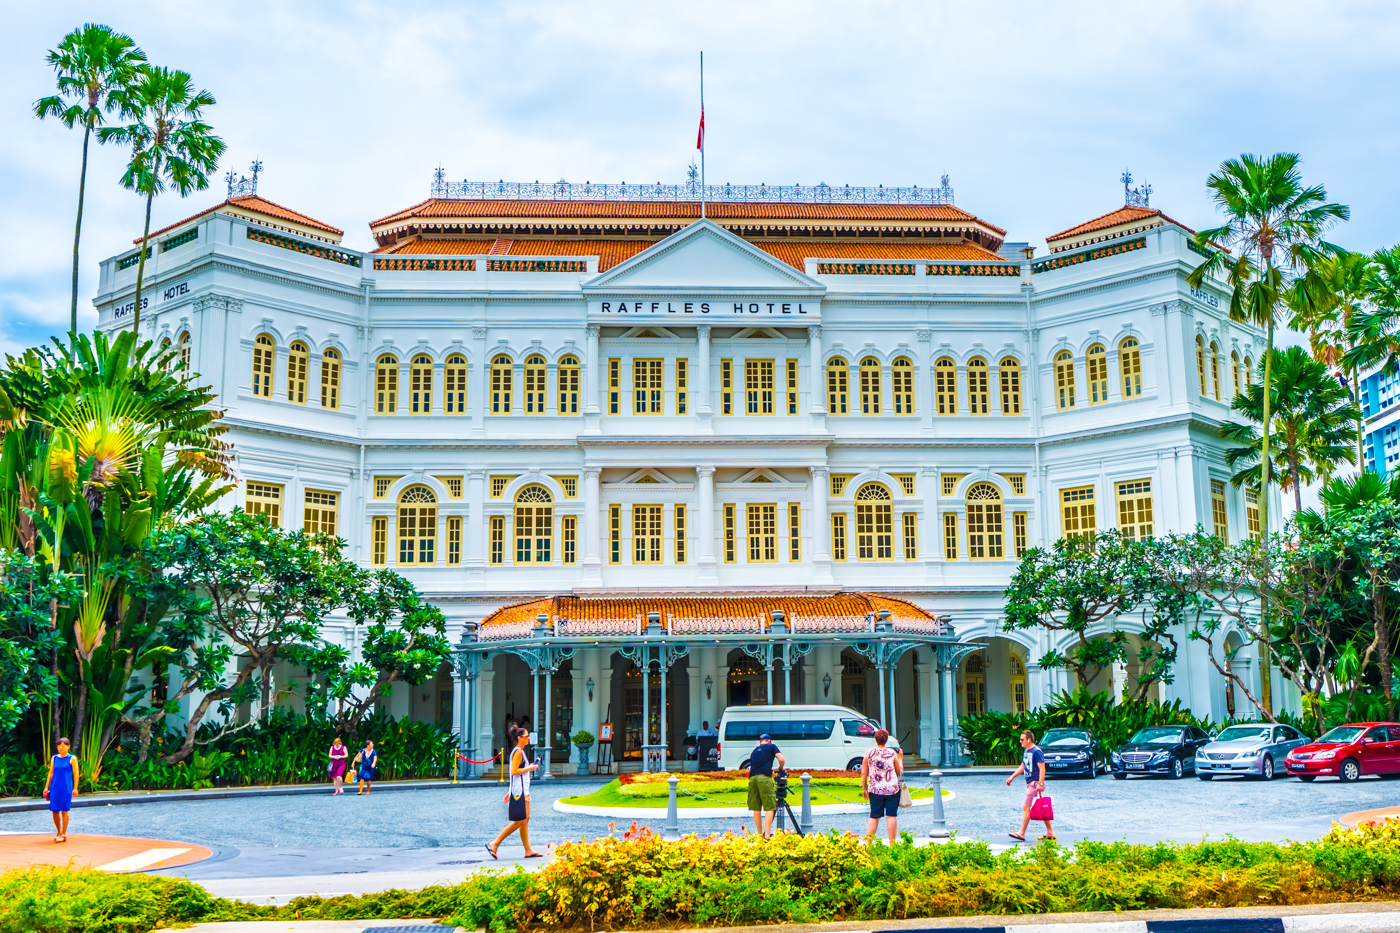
(608, 796)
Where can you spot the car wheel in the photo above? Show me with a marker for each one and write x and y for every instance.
(1349, 771)
(1093, 770)
(853, 764)
(1119, 777)
(1266, 772)
(1203, 777)
(1177, 769)
(744, 765)
(1307, 778)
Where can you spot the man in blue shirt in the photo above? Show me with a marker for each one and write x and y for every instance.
(1033, 767)
(763, 793)
(706, 730)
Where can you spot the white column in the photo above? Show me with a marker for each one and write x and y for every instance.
(927, 676)
(705, 477)
(702, 371)
(694, 674)
(821, 526)
(578, 674)
(592, 505)
(923, 386)
(475, 563)
(486, 719)
(594, 384)
(480, 380)
(817, 379)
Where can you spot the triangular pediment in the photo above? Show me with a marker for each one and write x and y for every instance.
(647, 475)
(704, 256)
(760, 475)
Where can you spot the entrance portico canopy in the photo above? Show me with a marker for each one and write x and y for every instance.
(654, 631)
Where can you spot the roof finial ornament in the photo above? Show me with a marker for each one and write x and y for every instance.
(1134, 197)
(439, 182)
(243, 186)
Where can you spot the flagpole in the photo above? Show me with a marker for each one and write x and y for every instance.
(702, 135)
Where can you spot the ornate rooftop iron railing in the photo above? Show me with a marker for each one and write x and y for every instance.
(775, 194)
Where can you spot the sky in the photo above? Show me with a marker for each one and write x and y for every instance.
(1033, 109)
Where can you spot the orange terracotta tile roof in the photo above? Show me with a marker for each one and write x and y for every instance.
(612, 252)
(434, 208)
(1123, 215)
(256, 205)
(793, 253)
(580, 608)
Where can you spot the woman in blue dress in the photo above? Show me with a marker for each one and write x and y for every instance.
(61, 788)
(365, 763)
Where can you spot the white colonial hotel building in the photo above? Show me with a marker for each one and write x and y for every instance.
(788, 452)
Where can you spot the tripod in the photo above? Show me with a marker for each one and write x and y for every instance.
(781, 792)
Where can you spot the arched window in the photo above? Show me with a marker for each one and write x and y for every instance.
(386, 385)
(874, 523)
(502, 375)
(1064, 380)
(454, 385)
(263, 350)
(1215, 369)
(837, 375)
(568, 385)
(984, 524)
(1096, 369)
(1010, 371)
(1201, 364)
(297, 356)
(420, 385)
(534, 525)
(1235, 372)
(870, 386)
(1248, 373)
(975, 684)
(1018, 685)
(945, 386)
(417, 526)
(902, 385)
(184, 344)
(535, 387)
(330, 378)
(1130, 363)
(978, 396)
(164, 350)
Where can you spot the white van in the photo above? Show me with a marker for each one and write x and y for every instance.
(808, 736)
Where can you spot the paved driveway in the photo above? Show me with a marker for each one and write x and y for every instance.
(1138, 808)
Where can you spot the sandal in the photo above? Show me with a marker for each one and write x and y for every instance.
(1050, 836)
(1018, 837)
(534, 855)
(491, 850)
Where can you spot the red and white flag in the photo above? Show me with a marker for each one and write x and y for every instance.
(700, 138)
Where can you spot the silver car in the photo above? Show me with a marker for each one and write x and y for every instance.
(1257, 750)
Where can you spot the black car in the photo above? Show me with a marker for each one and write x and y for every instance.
(1073, 751)
(1168, 750)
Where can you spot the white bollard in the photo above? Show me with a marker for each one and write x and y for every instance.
(671, 832)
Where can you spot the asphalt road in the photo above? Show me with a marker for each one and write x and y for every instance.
(1140, 809)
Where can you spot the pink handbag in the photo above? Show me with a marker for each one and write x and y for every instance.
(1042, 809)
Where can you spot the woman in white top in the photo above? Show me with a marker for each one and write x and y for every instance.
(517, 799)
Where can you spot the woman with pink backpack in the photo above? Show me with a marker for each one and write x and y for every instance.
(880, 771)
(1036, 806)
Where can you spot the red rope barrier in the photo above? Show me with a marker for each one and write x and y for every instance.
(486, 762)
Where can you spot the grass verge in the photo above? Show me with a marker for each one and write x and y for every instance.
(639, 882)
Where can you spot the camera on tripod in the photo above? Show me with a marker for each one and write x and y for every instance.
(780, 785)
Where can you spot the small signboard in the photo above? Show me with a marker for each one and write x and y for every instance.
(605, 732)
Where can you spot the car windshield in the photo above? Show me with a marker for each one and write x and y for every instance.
(1158, 736)
(1243, 733)
(1064, 737)
(1343, 735)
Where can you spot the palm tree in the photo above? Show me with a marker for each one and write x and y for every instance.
(1327, 303)
(1374, 332)
(1273, 229)
(1312, 421)
(95, 68)
(170, 145)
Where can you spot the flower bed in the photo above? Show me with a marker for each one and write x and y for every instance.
(700, 777)
(638, 882)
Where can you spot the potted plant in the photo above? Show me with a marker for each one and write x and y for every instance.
(584, 740)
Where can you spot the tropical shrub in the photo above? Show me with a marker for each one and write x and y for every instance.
(637, 881)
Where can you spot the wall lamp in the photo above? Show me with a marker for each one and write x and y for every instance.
(589, 687)
(709, 684)
(826, 686)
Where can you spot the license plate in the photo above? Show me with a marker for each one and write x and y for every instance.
(1058, 765)
(1137, 767)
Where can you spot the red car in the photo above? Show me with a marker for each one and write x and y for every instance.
(1349, 751)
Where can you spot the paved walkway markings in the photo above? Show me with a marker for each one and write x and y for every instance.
(142, 860)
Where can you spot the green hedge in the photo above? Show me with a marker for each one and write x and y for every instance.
(992, 738)
(638, 881)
